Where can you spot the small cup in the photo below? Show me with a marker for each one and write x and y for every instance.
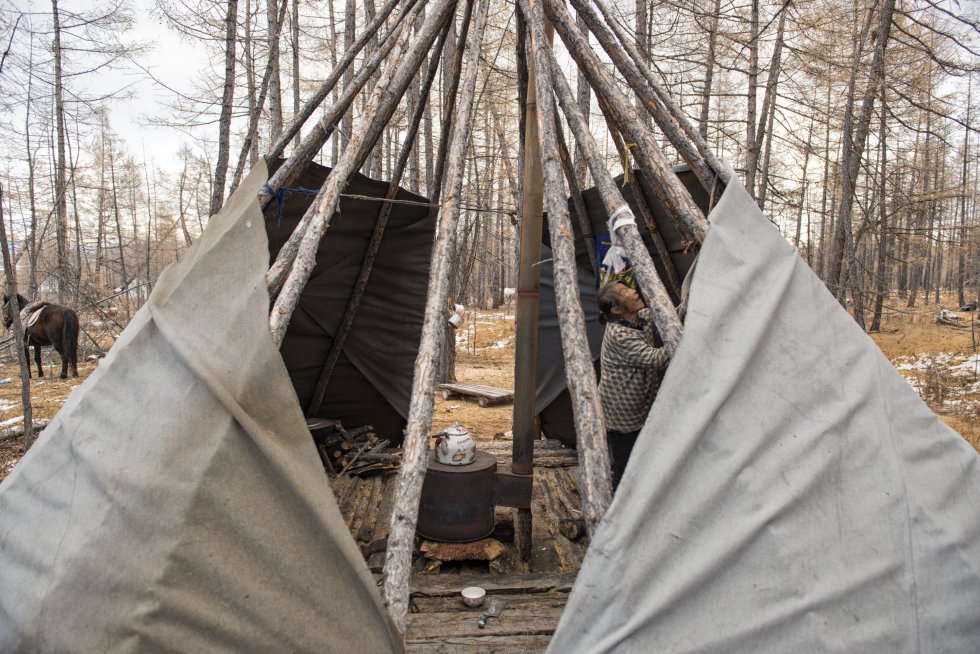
(455, 320)
(473, 596)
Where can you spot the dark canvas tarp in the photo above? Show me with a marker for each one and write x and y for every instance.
(372, 381)
(176, 502)
(552, 401)
(789, 492)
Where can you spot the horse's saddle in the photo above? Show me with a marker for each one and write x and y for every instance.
(30, 313)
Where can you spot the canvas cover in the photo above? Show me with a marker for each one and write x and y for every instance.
(552, 401)
(789, 492)
(176, 502)
(372, 381)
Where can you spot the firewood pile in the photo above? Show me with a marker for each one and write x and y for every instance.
(357, 451)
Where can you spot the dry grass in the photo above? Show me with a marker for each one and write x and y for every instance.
(935, 358)
(928, 354)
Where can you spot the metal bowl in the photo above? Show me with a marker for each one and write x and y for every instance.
(473, 596)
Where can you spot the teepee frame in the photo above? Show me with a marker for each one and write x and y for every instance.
(421, 27)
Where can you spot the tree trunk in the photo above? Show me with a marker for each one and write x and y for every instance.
(254, 108)
(227, 100)
(709, 71)
(294, 47)
(60, 171)
(964, 237)
(769, 107)
(14, 314)
(275, 80)
(883, 253)
(350, 17)
(751, 149)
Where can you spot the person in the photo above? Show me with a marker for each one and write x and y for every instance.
(631, 367)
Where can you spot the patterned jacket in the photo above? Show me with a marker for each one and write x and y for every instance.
(630, 376)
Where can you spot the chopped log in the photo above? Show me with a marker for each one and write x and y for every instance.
(13, 433)
(405, 514)
(485, 549)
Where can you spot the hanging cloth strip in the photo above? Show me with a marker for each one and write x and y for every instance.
(279, 197)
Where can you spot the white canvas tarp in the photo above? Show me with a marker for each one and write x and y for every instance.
(177, 502)
(789, 492)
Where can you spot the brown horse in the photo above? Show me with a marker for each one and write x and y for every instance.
(54, 325)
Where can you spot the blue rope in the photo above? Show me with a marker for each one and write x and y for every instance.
(279, 197)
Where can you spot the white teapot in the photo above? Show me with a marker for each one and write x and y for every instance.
(455, 446)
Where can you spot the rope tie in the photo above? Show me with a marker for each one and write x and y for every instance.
(621, 217)
(279, 197)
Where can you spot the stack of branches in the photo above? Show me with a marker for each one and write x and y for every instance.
(358, 452)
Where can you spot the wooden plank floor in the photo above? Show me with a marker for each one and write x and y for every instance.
(536, 594)
(440, 622)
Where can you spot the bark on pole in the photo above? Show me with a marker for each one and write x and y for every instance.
(13, 307)
(368, 263)
(664, 314)
(313, 142)
(395, 77)
(590, 430)
(674, 117)
(671, 192)
(673, 277)
(674, 113)
(404, 516)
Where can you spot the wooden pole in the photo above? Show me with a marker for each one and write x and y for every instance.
(673, 277)
(13, 308)
(578, 202)
(297, 122)
(596, 487)
(626, 233)
(528, 293)
(395, 77)
(674, 196)
(313, 142)
(404, 516)
(368, 263)
(690, 144)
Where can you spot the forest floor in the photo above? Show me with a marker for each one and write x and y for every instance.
(941, 362)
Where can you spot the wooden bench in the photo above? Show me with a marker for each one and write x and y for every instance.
(486, 395)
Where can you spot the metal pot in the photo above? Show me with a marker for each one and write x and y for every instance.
(455, 446)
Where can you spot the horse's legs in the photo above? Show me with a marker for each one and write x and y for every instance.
(64, 365)
(27, 357)
(37, 358)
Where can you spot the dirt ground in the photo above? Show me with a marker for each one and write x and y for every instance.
(942, 363)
